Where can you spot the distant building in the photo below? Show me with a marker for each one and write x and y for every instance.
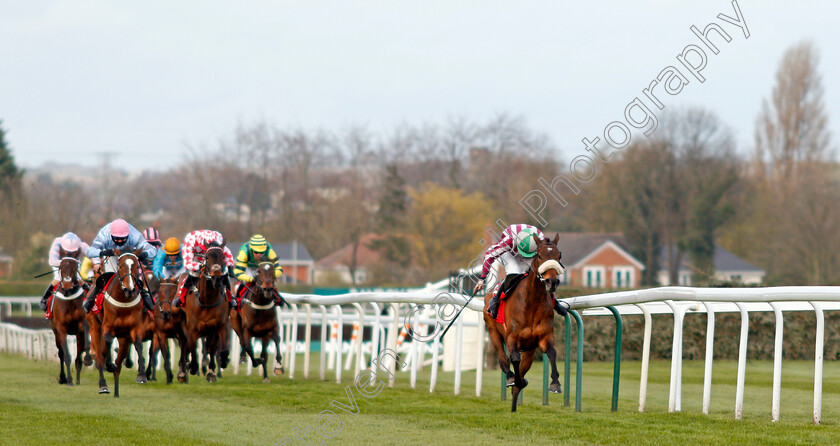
(5, 264)
(298, 264)
(336, 266)
(728, 268)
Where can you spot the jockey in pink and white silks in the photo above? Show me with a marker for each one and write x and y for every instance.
(514, 249)
(126, 238)
(195, 245)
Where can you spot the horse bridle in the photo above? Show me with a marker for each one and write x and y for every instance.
(75, 275)
(123, 276)
(263, 291)
(547, 262)
(159, 302)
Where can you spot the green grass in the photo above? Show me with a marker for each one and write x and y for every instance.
(241, 409)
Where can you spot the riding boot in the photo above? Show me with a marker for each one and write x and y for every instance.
(90, 298)
(147, 300)
(47, 293)
(561, 308)
(229, 295)
(182, 293)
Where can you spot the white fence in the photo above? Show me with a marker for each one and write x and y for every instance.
(680, 300)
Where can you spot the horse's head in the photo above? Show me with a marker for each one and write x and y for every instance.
(68, 268)
(265, 277)
(547, 263)
(166, 294)
(128, 270)
(214, 264)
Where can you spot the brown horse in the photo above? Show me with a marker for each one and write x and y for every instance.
(162, 325)
(68, 317)
(206, 315)
(529, 312)
(122, 316)
(258, 318)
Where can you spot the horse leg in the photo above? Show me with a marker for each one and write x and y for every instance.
(549, 350)
(88, 361)
(96, 342)
(182, 359)
(109, 364)
(519, 382)
(264, 358)
(521, 367)
(211, 347)
(141, 361)
(249, 344)
(80, 350)
(205, 360)
(60, 340)
(278, 366)
(152, 364)
(192, 350)
(504, 361)
(163, 346)
(122, 352)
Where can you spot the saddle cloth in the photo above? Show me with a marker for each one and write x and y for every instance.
(504, 293)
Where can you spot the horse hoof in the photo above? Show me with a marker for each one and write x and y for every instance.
(242, 359)
(279, 370)
(523, 385)
(182, 377)
(104, 390)
(211, 377)
(224, 360)
(266, 380)
(555, 388)
(256, 362)
(110, 367)
(141, 379)
(88, 361)
(511, 381)
(128, 362)
(62, 380)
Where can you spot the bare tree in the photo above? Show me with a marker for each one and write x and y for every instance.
(793, 127)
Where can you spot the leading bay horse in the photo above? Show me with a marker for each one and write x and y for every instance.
(258, 318)
(121, 318)
(68, 317)
(206, 315)
(529, 313)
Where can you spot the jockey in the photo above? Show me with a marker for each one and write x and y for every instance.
(514, 249)
(168, 261)
(196, 243)
(119, 235)
(74, 247)
(153, 237)
(251, 254)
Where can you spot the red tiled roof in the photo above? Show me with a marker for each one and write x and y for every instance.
(343, 257)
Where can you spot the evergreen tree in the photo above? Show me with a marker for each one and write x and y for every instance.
(390, 221)
(12, 203)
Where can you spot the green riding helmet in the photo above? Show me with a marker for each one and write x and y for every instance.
(526, 246)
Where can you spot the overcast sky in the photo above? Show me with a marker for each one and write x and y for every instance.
(144, 78)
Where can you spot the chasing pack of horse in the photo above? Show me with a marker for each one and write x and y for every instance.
(204, 309)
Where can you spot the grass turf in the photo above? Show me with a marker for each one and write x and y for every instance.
(240, 409)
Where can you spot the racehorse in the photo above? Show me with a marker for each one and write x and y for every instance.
(68, 317)
(122, 317)
(206, 315)
(162, 325)
(528, 312)
(258, 318)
